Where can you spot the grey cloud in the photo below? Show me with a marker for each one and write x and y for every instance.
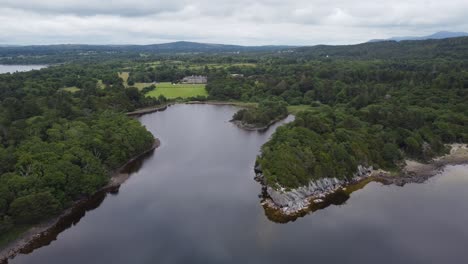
(238, 22)
(91, 8)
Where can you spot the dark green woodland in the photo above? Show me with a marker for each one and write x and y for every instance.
(368, 104)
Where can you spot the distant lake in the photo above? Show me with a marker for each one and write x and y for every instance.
(194, 200)
(19, 68)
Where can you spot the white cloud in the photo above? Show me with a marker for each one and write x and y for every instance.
(250, 22)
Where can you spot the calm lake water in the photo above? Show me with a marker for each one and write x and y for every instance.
(195, 201)
(19, 68)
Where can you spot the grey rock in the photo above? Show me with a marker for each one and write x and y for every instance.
(297, 199)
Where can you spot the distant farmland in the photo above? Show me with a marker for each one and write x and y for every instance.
(172, 91)
(124, 76)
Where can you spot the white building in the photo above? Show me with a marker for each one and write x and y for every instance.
(195, 79)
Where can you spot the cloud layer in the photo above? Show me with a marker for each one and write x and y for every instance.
(248, 22)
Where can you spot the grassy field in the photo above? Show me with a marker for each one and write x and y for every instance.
(294, 109)
(72, 89)
(124, 76)
(140, 86)
(100, 84)
(174, 91)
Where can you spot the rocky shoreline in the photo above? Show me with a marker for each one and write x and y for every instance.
(41, 230)
(286, 205)
(290, 202)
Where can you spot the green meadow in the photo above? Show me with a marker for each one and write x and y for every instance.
(294, 109)
(172, 91)
(124, 76)
(72, 89)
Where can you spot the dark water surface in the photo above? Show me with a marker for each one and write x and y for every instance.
(195, 201)
(19, 68)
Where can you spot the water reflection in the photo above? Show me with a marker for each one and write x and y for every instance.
(77, 212)
(195, 201)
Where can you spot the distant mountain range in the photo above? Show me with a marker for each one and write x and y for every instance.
(173, 47)
(442, 44)
(438, 35)
(420, 49)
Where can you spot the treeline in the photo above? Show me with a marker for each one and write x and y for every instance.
(358, 83)
(57, 146)
(165, 72)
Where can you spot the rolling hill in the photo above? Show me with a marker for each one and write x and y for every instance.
(437, 35)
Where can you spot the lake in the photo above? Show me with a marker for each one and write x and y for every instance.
(19, 68)
(194, 200)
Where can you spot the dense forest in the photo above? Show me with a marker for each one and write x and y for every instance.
(63, 128)
(332, 141)
(57, 146)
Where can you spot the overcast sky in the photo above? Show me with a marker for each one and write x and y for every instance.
(246, 22)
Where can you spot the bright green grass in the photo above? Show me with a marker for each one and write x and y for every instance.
(171, 91)
(124, 76)
(140, 86)
(72, 89)
(100, 84)
(294, 109)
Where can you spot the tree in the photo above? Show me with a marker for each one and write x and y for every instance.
(34, 207)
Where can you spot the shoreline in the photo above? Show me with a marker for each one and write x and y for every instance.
(38, 231)
(149, 110)
(239, 104)
(338, 192)
(250, 127)
(239, 123)
(117, 178)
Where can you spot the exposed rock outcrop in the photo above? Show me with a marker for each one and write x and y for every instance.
(287, 205)
(292, 201)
